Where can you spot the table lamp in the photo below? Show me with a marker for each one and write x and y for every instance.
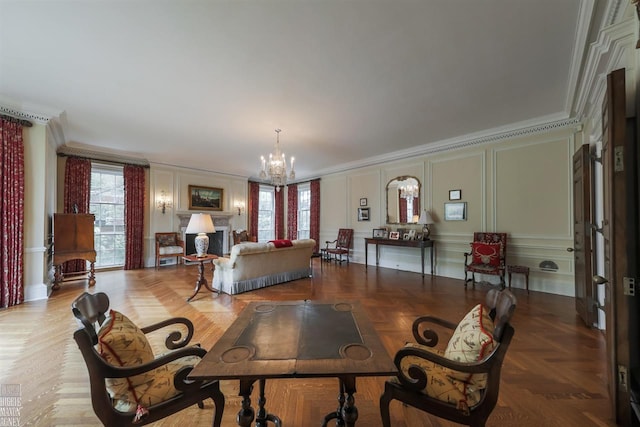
(425, 220)
(200, 224)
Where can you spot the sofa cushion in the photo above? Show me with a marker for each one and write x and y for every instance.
(470, 342)
(486, 253)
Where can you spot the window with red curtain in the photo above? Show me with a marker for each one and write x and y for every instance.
(314, 231)
(11, 213)
(292, 211)
(77, 195)
(254, 207)
(279, 214)
(402, 206)
(134, 182)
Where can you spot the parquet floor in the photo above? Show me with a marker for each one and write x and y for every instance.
(554, 373)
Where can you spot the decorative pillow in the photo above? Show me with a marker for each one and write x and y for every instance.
(441, 384)
(167, 240)
(471, 341)
(486, 253)
(122, 343)
(281, 243)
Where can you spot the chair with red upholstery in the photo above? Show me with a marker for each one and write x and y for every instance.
(341, 246)
(488, 256)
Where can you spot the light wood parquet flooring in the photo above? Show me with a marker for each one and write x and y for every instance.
(554, 373)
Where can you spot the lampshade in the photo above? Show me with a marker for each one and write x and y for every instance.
(200, 223)
(425, 218)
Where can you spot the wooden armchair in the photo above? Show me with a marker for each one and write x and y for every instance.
(341, 246)
(462, 383)
(240, 236)
(169, 245)
(488, 256)
(129, 385)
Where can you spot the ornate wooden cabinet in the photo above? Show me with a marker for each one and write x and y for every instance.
(73, 239)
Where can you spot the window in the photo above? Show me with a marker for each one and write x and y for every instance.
(304, 211)
(107, 204)
(410, 209)
(266, 214)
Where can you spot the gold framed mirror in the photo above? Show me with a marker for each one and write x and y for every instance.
(403, 200)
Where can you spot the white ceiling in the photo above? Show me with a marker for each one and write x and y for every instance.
(203, 84)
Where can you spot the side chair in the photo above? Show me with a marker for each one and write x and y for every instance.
(339, 247)
(488, 256)
(129, 384)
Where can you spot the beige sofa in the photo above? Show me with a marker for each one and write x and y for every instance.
(258, 265)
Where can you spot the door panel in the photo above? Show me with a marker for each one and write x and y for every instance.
(614, 232)
(582, 241)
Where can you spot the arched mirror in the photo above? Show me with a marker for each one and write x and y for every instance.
(403, 200)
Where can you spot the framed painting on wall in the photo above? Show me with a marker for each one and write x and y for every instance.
(455, 211)
(205, 198)
(363, 214)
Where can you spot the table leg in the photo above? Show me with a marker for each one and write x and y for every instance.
(92, 274)
(347, 413)
(432, 253)
(245, 415)
(422, 259)
(366, 254)
(202, 280)
(263, 417)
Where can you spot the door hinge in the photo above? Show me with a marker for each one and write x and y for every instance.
(622, 377)
(629, 286)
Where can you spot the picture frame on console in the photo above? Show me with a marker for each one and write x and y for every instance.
(205, 198)
(394, 235)
(379, 233)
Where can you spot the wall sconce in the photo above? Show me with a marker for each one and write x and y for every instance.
(239, 205)
(163, 202)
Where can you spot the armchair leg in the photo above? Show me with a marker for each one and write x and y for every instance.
(218, 400)
(385, 400)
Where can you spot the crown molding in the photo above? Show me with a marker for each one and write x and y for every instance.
(487, 137)
(101, 156)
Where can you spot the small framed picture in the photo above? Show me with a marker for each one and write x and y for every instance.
(419, 236)
(412, 234)
(379, 233)
(455, 194)
(363, 214)
(394, 235)
(455, 211)
(363, 201)
(406, 236)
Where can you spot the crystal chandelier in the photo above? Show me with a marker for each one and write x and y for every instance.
(276, 167)
(409, 191)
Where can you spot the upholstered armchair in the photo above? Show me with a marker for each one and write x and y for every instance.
(461, 382)
(240, 236)
(488, 256)
(129, 384)
(339, 247)
(169, 245)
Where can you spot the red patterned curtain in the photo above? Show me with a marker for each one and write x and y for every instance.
(402, 205)
(314, 227)
(11, 214)
(254, 207)
(77, 194)
(279, 213)
(292, 211)
(416, 206)
(134, 216)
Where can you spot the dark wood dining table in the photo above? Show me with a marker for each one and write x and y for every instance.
(297, 339)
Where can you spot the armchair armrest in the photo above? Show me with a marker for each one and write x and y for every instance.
(329, 242)
(174, 340)
(466, 258)
(428, 336)
(111, 371)
(415, 378)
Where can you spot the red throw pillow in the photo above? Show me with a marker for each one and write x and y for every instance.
(486, 253)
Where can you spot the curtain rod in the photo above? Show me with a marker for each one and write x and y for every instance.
(95, 159)
(25, 123)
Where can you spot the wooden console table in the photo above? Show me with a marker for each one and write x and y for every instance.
(422, 244)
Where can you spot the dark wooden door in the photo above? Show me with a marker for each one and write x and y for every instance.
(582, 241)
(615, 237)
